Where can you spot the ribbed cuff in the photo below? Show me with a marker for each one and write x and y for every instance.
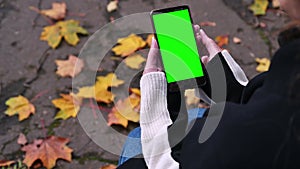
(154, 113)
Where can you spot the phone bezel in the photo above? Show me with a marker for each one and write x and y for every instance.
(187, 83)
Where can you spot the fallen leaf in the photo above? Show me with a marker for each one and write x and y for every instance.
(21, 106)
(99, 90)
(263, 64)
(134, 61)
(112, 6)
(110, 80)
(149, 39)
(69, 105)
(70, 67)
(236, 40)
(57, 12)
(63, 29)
(22, 139)
(52, 35)
(6, 163)
(124, 111)
(48, 151)
(128, 45)
(191, 98)
(222, 40)
(275, 3)
(262, 24)
(110, 166)
(208, 23)
(259, 7)
(136, 91)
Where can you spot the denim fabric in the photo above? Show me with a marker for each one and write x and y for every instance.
(133, 147)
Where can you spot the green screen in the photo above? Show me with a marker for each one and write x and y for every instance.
(177, 45)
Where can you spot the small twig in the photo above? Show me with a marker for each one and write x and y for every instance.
(43, 127)
(39, 12)
(77, 14)
(39, 95)
(101, 108)
(94, 112)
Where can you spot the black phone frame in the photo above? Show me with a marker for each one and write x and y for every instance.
(187, 83)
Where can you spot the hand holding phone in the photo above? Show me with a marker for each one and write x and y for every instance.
(153, 63)
(178, 46)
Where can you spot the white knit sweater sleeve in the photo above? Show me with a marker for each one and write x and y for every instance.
(154, 122)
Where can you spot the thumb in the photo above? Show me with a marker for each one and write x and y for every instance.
(204, 59)
(210, 44)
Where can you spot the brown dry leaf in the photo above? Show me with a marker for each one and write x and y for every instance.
(191, 98)
(22, 139)
(109, 166)
(6, 163)
(21, 106)
(149, 39)
(275, 3)
(57, 12)
(128, 45)
(99, 90)
(63, 29)
(69, 105)
(259, 7)
(70, 67)
(48, 151)
(134, 61)
(263, 64)
(125, 110)
(222, 40)
(112, 6)
(208, 23)
(236, 40)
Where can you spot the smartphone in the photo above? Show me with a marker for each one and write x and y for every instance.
(175, 35)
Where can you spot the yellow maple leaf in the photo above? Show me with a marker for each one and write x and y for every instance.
(259, 7)
(21, 106)
(136, 91)
(69, 105)
(51, 35)
(125, 110)
(67, 29)
(263, 64)
(110, 80)
(191, 98)
(99, 91)
(134, 61)
(57, 12)
(70, 67)
(128, 45)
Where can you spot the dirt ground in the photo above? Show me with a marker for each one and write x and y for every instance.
(27, 64)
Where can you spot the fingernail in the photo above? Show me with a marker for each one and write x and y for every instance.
(153, 41)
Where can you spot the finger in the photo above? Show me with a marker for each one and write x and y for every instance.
(210, 44)
(204, 59)
(198, 37)
(196, 28)
(153, 63)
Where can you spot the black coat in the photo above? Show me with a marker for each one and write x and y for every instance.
(260, 126)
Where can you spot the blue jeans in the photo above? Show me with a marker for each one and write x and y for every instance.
(133, 146)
